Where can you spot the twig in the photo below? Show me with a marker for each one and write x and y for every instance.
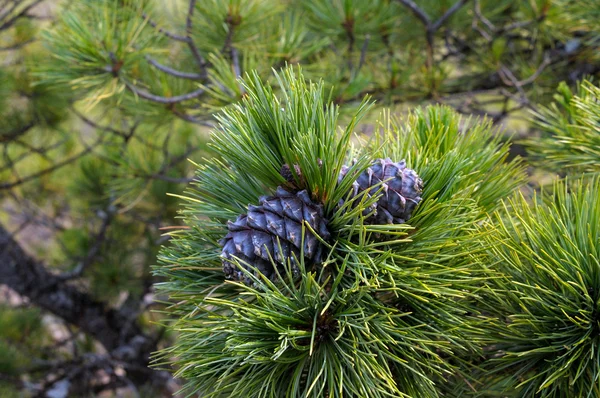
(363, 54)
(99, 239)
(432, 27)
(175, 180)
(184, 39)
(7, 137)
(16, 46)
(172, 71)
(191, 44)
(24, 11)
(451, 11)
(192, 119)
(510, 80)
(235, 58)
(165, 32)
(522, 24)
(22, 180)
(163, 100)
(417, 11)
(95, 125)
(482, 18)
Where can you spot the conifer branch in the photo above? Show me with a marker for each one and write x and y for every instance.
(58, 165)
(10, 22)
(174, 72)
(192, 45)
(140, 92)
(120, 335)
(167, 33)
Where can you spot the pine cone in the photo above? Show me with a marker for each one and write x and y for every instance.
(400, 193)
(272, 231)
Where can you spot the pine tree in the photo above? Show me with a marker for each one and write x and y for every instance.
(103, 102)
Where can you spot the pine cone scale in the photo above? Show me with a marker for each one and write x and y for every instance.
(272, 233)
(400, 189)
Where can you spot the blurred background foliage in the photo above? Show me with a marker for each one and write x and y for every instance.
(103, 102)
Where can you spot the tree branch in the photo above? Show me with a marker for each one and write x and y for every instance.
(191, 44)
(451, 11)
(173, 72)
(417, 11)
(120, 335)
(160, 99)
(165, 32)
(33, 176)
(22, 13)
(99, 239)
(16, 46)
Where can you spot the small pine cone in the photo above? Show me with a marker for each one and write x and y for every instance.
(400, 193)
(272, 231)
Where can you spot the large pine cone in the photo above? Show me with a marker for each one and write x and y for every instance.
(400, 193)
(271, 232)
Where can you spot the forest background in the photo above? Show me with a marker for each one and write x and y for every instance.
(105, 110)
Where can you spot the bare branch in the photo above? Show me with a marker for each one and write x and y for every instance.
(16, 46)
(431, 28)
(481, 17)
(165, 32)
(191, 44)
(12, 135)
(192, 119)
(451, 11)
(184, 39)
(363, 54)
(114, 329)
(173, 72)
(20, 14)
(417, 11)
(175, 180)
(99, 239)
(95, 125)
(521, 24)
(163, 100)
(33, 176)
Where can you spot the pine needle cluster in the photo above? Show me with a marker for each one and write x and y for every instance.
(385, 313)
(571, 140)
(543, 329)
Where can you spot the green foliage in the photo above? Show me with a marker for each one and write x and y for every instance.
(543, 310)
(298, 129)
(385, 314)
(232, 23)
(99, 40)
(20, 332)
(571, 143)
(395, 309)
(9, 391)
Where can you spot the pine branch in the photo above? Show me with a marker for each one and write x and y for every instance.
(192, 45)
(11, 21)
(167, 33)
(432, 27)
(90, 257)
(140, 92)
(17, 46)
(53, 168)
(417, 11)
(172, 71)
(120, 335)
